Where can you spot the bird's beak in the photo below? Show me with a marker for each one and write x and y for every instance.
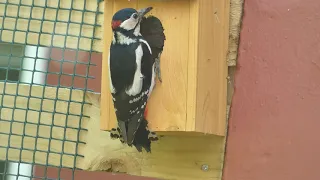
(144, 11)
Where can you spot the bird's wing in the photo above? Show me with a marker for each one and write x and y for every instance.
(130, 109)
(152, 31)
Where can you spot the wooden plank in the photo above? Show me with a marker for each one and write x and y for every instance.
(192, 66)
(168, 100)
(175, 156)
(212, 67)
(202, 106)
(39, 29)
(167, 106)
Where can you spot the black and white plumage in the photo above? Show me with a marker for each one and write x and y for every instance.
(152, 31)
(133, 64)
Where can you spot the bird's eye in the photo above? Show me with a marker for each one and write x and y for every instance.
(135, 16)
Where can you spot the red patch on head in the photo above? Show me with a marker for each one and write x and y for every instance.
(115, 24)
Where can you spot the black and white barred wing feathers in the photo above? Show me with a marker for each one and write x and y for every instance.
(133, 71)
(130, 102)
(129, 112)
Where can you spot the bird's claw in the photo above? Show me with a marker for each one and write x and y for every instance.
(153, 136)
(115, 134)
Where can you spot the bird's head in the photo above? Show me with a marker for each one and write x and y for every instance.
(128, 19)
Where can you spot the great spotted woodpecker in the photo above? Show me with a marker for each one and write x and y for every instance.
(133, 65)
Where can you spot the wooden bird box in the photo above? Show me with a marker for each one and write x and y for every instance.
(192, 96)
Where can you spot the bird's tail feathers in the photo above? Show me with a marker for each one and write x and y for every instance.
(144, 137)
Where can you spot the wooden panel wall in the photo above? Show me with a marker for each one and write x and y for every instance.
(167, 106)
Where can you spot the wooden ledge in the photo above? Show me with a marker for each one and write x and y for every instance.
(175, 156)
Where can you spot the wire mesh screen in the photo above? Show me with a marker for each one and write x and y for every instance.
(47, 49)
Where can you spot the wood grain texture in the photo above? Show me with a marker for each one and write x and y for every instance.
(168, 100)
(212, 72)
(39, 29)
(168, 103)
(175, 156)
(192, 96)
(192, 66)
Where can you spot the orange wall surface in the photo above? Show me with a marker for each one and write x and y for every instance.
(274, 129)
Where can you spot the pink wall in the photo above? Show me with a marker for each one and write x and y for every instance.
(274, 131)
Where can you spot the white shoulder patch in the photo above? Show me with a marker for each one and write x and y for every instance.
(138, 77)
(146, 43)
(122, 39)
(112, 89)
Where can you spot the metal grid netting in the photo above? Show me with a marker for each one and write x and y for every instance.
(32, 58)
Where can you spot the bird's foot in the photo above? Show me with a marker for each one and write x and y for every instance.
(152, 136)
(114, 133)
